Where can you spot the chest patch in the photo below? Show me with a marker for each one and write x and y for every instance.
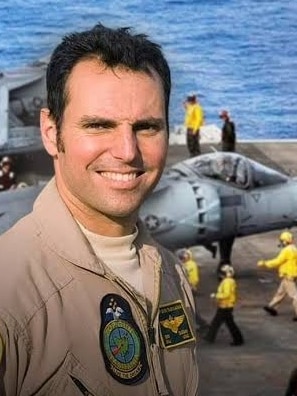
(174, 325)
(121, 341)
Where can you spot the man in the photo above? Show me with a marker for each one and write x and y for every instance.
(191, 268)
(194, 119)
(192, 271)
(286, 262)
(7, 175)
(228, 132)
(89, 303)
(225, 296)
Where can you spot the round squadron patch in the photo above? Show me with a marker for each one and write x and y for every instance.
(121, 341)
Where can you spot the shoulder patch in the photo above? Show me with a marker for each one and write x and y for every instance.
(121, 341)
(174, 325)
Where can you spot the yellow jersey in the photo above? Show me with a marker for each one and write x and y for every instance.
(192, 272)
(194, 117)
(286, 262)
(226, 293)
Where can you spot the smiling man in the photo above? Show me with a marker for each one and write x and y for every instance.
(114, 140)
(89, 303)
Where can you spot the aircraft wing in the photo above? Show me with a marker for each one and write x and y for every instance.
(15, 204)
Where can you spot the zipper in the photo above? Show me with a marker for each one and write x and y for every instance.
(155, 313)
(84, 391)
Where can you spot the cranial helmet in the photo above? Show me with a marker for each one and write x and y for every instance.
(6, 160)
(286, 237)
(227, 269)
(185, 254)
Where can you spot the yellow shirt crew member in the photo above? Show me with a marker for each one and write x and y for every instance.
(286, 263)
(194, 119)
(225, 297)
(226, 293)
(192, 272)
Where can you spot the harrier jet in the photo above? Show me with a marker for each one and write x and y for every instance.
(22, 94)
(211, 198)
(218, 197)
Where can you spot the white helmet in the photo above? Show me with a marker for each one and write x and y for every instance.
(185, 254)
(6, 160)
(227, 269)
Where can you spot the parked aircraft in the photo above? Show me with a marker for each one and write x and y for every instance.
(22, 94)
(211, 198)
(15, 204)
(218, 197)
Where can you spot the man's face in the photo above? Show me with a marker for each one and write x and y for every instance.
(115, 141)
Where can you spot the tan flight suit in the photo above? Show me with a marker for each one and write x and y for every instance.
(70, 327)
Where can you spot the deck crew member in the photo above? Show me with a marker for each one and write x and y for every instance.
(7, 175)
(228, 138)
(226, 297)
(286, 262)
(194, 119)
(192, 270)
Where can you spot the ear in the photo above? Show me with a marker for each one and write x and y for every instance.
(48, 132)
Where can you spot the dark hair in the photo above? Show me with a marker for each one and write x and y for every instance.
(113, 47)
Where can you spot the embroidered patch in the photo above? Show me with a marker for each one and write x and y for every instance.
(174, 325)
(121, 341)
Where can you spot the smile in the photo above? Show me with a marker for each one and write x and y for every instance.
(119, 176)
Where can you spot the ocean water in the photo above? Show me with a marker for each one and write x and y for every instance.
(235, 54)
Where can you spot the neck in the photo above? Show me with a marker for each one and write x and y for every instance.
(106, 226)
(96, 221)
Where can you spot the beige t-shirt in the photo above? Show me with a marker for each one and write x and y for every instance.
(119, 254)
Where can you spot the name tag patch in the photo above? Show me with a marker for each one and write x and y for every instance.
(121, 341)
(174, 325)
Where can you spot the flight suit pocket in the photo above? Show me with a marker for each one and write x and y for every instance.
(72, 379)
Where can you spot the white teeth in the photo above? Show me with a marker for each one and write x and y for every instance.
(119, 176)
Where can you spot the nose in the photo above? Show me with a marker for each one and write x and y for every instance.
(125, 145)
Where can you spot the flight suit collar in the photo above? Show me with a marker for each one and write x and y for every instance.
(60, 231)
(63, 235)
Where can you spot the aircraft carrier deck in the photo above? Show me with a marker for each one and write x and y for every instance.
(262, 366)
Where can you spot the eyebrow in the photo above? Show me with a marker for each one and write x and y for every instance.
(157, 123)
(86, 121)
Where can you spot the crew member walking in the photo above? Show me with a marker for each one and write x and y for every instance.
(226, 299)
(228, 132)
(286, 262)
(194, 119)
